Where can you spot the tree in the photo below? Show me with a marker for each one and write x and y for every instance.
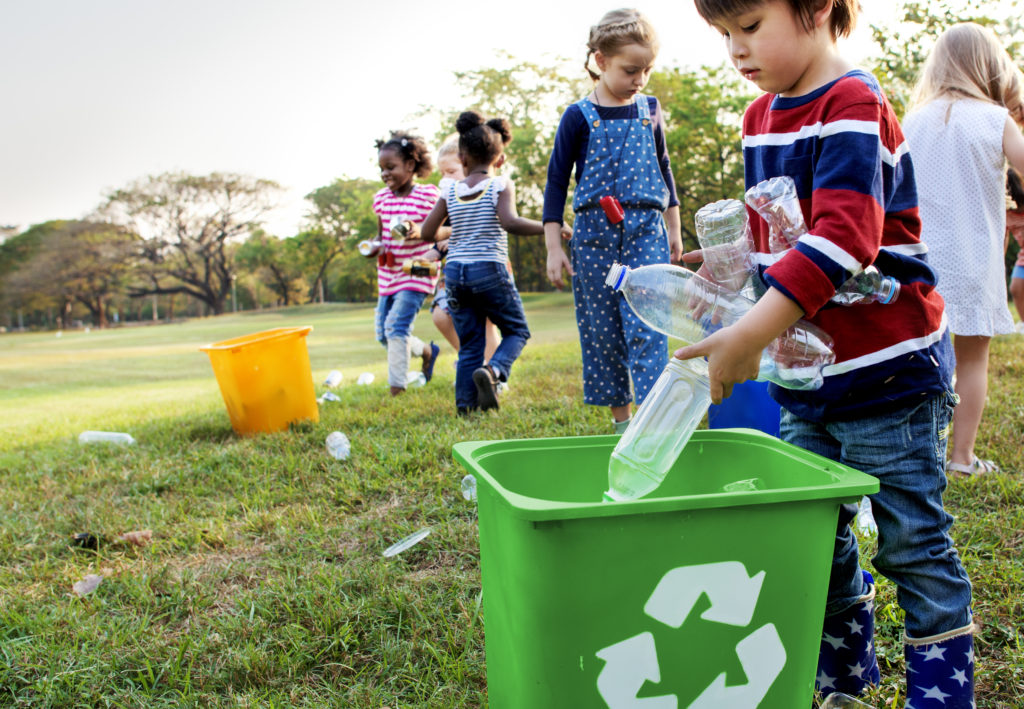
(342, 214)
(188, 223)
(905, 46)
(703, 114)
(278, 265)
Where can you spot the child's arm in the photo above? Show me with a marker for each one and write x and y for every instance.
(557, 260)
(509, 216)
(675, 233)
(1013, 145)
(432, 229)
(734, 352)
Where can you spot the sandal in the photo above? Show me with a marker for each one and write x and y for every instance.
(977, 466)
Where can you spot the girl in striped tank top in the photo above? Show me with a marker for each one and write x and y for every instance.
(482, 210)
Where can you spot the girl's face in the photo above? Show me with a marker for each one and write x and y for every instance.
(451, 167)
(625, 73)
(395, 172)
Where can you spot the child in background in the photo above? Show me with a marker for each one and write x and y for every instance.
(402, 158)
(481, 209)
(960, 127)
(1015, 227)
(887, 401)
(450, 167)
(614, 140)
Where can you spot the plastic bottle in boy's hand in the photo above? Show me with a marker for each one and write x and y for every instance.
(659, 430)
(725, 243)
(776, 201)
(680, 303)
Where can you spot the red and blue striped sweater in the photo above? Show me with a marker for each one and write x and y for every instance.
(844, 148)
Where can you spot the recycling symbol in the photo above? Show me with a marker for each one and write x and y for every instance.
(733, 594)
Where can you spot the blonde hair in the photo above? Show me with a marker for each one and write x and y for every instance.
(969, 61)
(617, 29)
(450, 146)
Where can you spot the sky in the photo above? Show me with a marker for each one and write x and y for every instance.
(98, 94)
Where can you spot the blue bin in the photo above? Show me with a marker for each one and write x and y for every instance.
(749, 406)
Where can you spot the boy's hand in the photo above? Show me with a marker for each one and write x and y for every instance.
(731, 360)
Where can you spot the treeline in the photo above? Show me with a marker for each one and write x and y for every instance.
(176, 245)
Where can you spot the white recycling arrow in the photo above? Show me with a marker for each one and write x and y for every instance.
(733, 594)
(628, 665)
(762, 655)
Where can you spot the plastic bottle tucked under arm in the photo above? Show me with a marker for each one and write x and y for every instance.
(776, 201)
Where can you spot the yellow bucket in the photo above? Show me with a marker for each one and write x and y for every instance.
(265, 379)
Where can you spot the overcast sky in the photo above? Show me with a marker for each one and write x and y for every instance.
(98, 93)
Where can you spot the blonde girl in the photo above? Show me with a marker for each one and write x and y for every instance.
(961, 130)
(613, 141)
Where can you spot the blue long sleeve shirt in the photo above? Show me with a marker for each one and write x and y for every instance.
(570, 152)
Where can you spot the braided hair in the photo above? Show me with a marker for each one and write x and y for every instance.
(617, 29)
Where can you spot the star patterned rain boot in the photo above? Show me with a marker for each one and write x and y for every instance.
(846, 658)
(940, 670)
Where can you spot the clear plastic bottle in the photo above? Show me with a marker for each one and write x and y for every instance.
(866, 517)
(680, 303)
(124, 439)
(776, 201)
(338, 445)
(659, 430)
(333, 379)
(725, 242)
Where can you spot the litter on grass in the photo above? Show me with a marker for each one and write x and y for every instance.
(403, 544)
(87, 585)
(469, 487)
(333, 379)
(365, 378)
(328, 396)
(138, 538)
(106, 437)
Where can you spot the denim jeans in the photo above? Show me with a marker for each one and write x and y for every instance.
(478, 292)
(906, 450)
(395, 314)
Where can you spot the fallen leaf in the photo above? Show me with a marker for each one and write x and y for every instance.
(87, 585)
(138, 538)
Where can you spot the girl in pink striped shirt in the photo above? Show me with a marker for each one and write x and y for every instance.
(402, 158)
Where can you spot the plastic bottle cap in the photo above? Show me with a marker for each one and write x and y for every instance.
(616, 275)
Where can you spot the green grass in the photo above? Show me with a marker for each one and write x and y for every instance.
(265, 585)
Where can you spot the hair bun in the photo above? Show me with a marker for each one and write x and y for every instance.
(502, 127)
(467, 121)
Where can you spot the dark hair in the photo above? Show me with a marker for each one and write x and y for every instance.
(1015, 186)
(844, 12)
(482, 141)
(409, 147)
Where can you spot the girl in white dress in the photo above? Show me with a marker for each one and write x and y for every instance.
(961, 130)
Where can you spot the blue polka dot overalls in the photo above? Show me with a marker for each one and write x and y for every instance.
(621, 161)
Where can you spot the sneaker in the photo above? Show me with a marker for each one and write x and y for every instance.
(486, 388)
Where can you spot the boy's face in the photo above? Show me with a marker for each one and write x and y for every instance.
(450, 166)
(770, 46)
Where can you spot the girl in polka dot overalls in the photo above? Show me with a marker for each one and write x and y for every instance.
(615, 140)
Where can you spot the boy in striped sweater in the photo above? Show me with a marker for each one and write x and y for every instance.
(886, 403)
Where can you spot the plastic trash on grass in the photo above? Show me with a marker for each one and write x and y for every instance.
(328, 396)
(365, 378)
(87, 585)
(333, 379)
(338, 445)
(124, 439)
(469, 488)
(403, 544)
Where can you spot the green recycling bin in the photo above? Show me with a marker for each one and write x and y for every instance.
(707, 594)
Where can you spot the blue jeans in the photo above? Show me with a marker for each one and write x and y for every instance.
(478, 292)
(906, 450)
(395, 314)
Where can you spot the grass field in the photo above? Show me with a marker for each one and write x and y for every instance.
(264, 584)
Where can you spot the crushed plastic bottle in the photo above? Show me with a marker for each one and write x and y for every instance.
(338, 445)
(776, 201)
(866, 518)
(659, 430)
(682, 304)
(365, 378)
(406, 542)
(468, 486)
(124, 439)
(334, 378)
(328, 396)
(725, 243)
(838, 700)
(415, 379)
